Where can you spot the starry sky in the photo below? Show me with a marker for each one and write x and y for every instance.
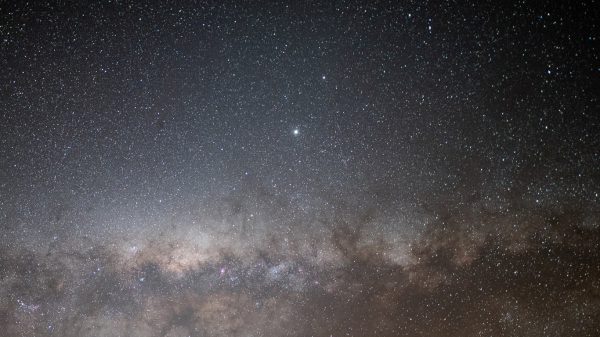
(301, 168)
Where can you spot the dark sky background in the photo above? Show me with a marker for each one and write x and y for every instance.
(318, 168)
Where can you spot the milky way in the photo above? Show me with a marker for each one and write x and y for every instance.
(299, 169)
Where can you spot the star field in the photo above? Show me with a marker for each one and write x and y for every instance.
(318, 168)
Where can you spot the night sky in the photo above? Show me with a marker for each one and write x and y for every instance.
(318, 168)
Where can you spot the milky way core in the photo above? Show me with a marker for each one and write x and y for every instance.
(319, 168)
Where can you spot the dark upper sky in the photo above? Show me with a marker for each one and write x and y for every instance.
(274, 168)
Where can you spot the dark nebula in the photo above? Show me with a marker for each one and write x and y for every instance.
(318, 168)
